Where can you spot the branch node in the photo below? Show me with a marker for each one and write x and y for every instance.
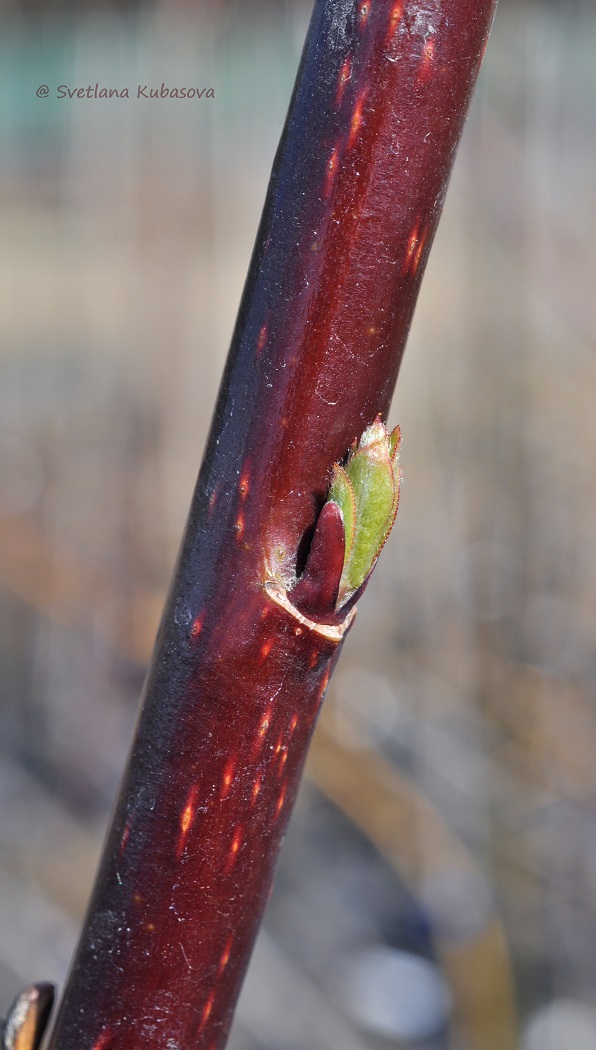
(333, 632)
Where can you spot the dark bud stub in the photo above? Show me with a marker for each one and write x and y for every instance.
(315, 594)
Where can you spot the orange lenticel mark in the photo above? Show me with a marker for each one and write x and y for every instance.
(212, 500)
(293, 723)
(256, 788)
(412, 245)
(228, 779)
(418, 253)
(395, 18)
(332, 167)
(280, 801)
(345, 74)
(207, 1010)
(364, 12)
(186, 818)
(197, 624)
(356, 122)
(234, 847)
(427, 64)
(225, 956)
(244, 482)
(264, 726)
(103, 1041)
(261, 732)
(265, 650)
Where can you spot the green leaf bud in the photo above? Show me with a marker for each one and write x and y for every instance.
(366, 490)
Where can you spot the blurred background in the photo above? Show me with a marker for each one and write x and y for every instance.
(437, 889)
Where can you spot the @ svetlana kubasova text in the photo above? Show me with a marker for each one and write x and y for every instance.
(164, 91)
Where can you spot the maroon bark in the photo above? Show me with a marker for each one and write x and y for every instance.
(238, 674)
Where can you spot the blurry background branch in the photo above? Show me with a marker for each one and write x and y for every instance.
(472, 672)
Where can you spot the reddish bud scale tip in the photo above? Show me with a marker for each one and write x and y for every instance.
(315, 594)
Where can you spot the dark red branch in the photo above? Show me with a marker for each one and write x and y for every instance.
(238, 675)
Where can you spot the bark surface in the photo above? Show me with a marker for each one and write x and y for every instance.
(238, 674)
